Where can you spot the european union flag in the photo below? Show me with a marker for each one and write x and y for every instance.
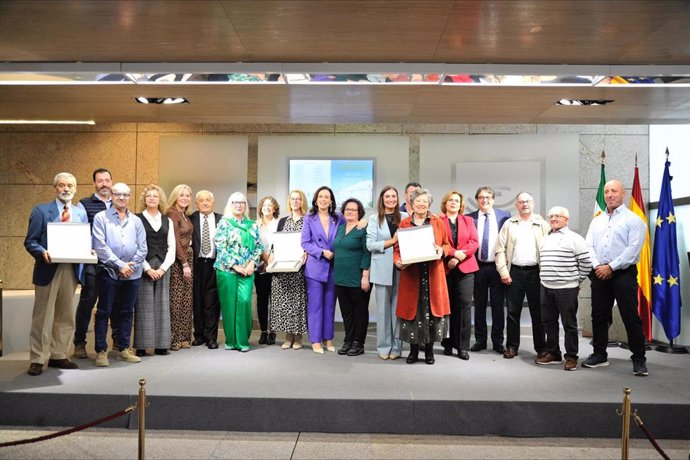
(665, 264)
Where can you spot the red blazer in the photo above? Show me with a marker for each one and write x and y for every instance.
(468, 241)
(408, 289)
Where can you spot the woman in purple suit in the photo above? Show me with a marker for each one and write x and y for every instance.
(318, 233)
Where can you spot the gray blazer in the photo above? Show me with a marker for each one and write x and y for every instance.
(381, 270)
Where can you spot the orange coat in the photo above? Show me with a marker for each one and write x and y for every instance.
(408, 289)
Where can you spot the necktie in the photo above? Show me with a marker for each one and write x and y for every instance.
(65, 217)
(205, 238)
(485, 239)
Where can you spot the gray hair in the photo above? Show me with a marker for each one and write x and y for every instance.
(419, 192)
(558, 210)
(122, 187)
(237, 196)
(204, 192)
(61, 175)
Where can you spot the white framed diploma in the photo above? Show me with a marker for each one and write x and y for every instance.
(287, 252)
(70, 243)
(417, 244)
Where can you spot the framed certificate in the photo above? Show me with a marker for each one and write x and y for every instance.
(70, 242)
(287, 252)
(417, 244)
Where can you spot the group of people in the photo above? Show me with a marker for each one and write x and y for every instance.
(171, 274)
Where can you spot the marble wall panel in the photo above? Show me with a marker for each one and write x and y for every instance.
(620, 159)
(243, 128)
(436, 129)
(16, 206)
(380, 128)
(18, 265)
(36, 158)
(571, 129)
(148, 154)
(414, 158)
(4, 159)
(304, 128)
(503, 129)
(170, 128)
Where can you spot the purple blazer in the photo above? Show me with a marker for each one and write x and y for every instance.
(314, 241)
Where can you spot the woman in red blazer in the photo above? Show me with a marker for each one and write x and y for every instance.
(423, 306)
(461, 263)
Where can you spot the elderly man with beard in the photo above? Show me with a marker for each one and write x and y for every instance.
(52, 321)
(119, 238)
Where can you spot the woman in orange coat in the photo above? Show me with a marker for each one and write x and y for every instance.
(423, 307)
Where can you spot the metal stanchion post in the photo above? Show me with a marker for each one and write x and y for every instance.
(142, 419)
(625, 431)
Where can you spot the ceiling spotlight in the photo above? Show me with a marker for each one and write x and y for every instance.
(583, 102)
(161, 100)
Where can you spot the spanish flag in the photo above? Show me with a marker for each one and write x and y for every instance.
(644, 272)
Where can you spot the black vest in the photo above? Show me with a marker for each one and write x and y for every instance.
(157, 241)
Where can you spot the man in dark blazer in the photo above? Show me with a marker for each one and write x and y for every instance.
(52, 321)
(487, 281)
(206, 306)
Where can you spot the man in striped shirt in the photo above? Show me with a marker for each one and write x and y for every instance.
(563, 264)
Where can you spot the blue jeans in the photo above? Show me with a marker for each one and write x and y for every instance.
(116, 297)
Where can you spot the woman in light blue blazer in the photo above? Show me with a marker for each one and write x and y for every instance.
(381, 237)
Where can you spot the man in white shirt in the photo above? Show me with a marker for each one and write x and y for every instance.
(517, 261)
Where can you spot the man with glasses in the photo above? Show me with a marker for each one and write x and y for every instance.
(487, 282)
(119, 239)
(93, 204)
(517, 262)
(563, 264)
(52, 321)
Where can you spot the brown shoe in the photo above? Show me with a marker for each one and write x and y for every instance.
(511, 352)
(35, 369)
(548, 358)
(62, 364)
(570, 364)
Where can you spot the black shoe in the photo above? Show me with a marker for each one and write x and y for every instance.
(429, 353)
(263, 338)
(141, 352)
(197, 342)
(478, 347)
(62, 364)
(35, 369)
(414, 354)
(345, 348)
(640, 368)
(271, 339)
(448, 350)
(357, 349)
(212, 344)
(500, 349)
(464, 355)
(161, 351)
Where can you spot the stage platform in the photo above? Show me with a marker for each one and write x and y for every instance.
(275, 390)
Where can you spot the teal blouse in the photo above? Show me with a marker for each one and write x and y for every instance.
(351, 256)
(229, 248)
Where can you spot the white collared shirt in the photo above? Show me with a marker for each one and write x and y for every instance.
(211, 231)
(493, 233)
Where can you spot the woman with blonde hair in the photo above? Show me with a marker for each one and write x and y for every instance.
(268, 211)
(181, 285)
(238, 252)
(288, 291)
(152, 311)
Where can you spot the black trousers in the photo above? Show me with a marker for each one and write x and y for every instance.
(354, 306)
(622, 288)
(525, 283)
(563, 303)
(460, 287)
(488, 281)
(206, 306)
(262, 283)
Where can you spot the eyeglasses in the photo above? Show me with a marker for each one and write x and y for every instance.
(524, 202)
(484, 198)
(239, 203)
(122, 195)
(555, 216)
(351, 210)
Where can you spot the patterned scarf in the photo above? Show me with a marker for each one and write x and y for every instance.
(248, 241)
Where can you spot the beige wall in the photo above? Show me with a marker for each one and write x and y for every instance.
(31, 156)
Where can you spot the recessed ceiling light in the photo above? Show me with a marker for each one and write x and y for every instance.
(161, 100)
(583, 102)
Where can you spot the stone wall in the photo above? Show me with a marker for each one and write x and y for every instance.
(31, 156)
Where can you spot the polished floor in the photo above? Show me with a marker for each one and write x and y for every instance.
(116, 444)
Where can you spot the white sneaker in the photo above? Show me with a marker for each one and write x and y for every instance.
(129, 357)
(102, 359)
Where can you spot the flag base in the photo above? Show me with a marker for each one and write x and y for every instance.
(672, 349)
